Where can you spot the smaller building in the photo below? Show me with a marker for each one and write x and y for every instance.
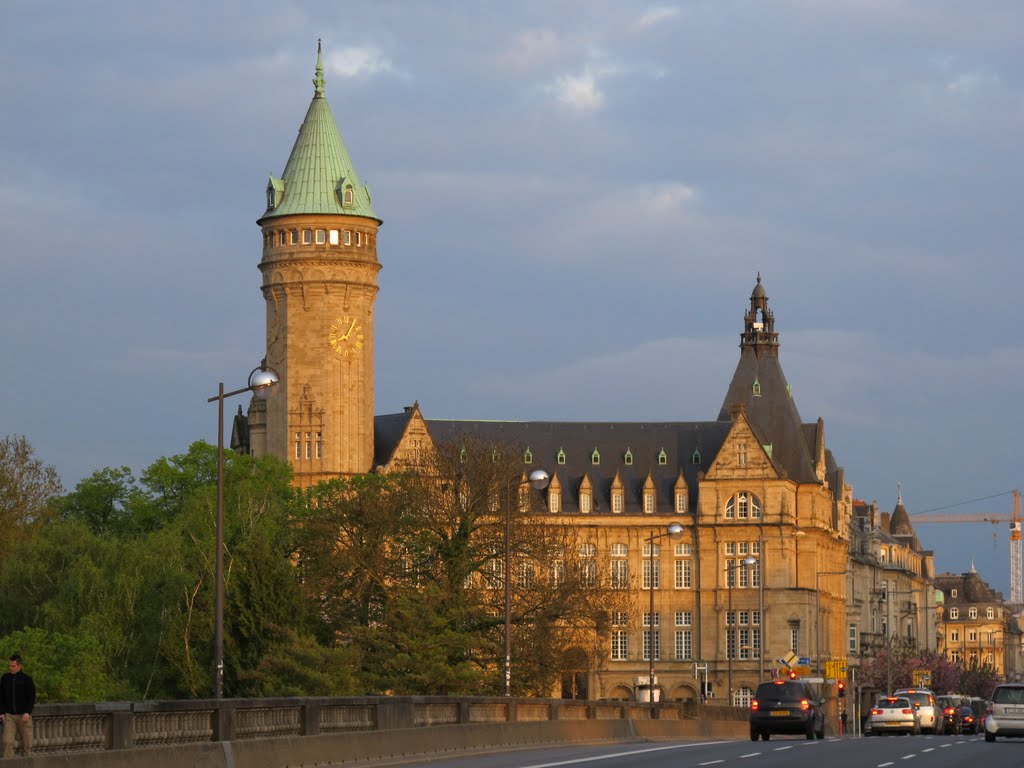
(977, 626)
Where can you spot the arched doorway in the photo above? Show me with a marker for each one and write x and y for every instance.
(683, 693)
(575, 675)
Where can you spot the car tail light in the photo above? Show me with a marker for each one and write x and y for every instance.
(908, 711)
(805, 704)
(876, 711)
(968, 719)
(947, 711)
(755, 705)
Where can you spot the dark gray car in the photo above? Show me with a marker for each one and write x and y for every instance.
(785, 706)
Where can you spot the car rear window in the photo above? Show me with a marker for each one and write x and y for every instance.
(781, 690)
(1008, 695)
(918, 698)
(893, 703)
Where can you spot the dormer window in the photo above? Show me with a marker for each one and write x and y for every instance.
(954, 613)
(757, 388)
(662, 458)
(561, 456)
(595, 457)
(616, 502)
(528, 457)
(649, 503)
(695, 458)
(348, 196)
(628, 457)
(585, 504)
(680, 503)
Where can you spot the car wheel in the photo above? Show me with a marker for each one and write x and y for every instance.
(754, 734)
(766, 735)
(990, 736)
(810, 730)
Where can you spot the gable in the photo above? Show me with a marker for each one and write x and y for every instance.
(743, 456)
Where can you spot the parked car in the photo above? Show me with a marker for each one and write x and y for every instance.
(924, 702)
(893, 714)
(785, 706)
(1005, 715)
(967, 722)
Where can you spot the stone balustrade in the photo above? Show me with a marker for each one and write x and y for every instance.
(70, 728)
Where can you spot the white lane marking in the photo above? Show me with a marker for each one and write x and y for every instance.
(882, 765)
(907, 757)
(752, 754)
(712, 762)
(930, 749)
(943, 746)
(782, 749)
(626, 754)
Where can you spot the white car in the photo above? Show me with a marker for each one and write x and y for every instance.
(924, 702)
(1005, 712)
(893, 714)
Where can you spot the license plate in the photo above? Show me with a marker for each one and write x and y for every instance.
(1014, 710)
(780, 713)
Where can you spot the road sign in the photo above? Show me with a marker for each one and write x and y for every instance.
(836, 669)
(791, 659)
(922, 677)
(802, 671)
(803, 661)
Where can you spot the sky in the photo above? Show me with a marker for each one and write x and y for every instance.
(577, 195)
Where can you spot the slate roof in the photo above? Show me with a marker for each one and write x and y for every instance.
(760, 386)
(319, 167)
(682, 442)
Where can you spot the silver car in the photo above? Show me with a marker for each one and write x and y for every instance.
(928, 714)
(1006, 712)
(893, 714)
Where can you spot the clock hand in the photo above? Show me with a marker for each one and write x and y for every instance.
(349, 331)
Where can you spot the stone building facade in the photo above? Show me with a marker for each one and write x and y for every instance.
(977, 627)
(755, 481)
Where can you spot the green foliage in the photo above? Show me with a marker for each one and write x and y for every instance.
(64, 667)
(27, 486)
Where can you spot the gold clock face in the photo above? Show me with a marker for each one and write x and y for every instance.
(346, 336)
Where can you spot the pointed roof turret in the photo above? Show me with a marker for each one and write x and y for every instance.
(319, 177)
(760, 387)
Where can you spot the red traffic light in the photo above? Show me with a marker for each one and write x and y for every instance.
(842, 684)
(792, 674)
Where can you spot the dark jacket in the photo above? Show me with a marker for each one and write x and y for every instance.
(17, 694)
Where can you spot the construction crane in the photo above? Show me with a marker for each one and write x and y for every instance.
(1013, 518)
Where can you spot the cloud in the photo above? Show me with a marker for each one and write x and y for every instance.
(358, 61)
(655, 16)
(580, 92)
(531, 50)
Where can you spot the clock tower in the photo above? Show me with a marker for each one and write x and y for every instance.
(319, 270)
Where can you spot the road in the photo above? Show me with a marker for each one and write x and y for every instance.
(780, 752)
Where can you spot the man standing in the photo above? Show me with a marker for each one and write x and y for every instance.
(17, 698)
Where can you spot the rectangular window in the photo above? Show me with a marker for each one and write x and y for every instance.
(954, 636)
(684, 644)
(684, 550)
(295, 237)
(647, 619)
(359, 238)
(741, 454)
(972, 613)
(972, 636)
(647, 574)
(794, 639)
(588, 572)
(730, 547)
(557, 573)
(348, 238)
(555, 502)
(990, 613)
(680, 503)
(851, 638)
(684, 574)
(744, 548)
(321, 236)
(730, 643)
(585, 503)
(744, 572)
(616, 503)
(755, 574)
(298, 446)
(283, 239)
(334, 237)
(620, 574)
(684, 618)
(620, 645)
(745, 644)
(755, 547)
(647, 645)
(319, 445)
(307, 237)
(649, 503)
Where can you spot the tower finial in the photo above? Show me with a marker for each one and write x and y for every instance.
(318, 81)
(899, 493)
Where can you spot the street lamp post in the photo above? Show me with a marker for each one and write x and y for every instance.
(261, 383)
(817, 616)
(746, 562)
(675, 530)
(539, 480)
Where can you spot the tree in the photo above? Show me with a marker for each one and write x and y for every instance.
(27, 486)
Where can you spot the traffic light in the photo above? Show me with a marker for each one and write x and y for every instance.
(792, 674)
(842, 688)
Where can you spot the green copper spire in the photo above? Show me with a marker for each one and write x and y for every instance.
(318, 81)
(319, 177)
